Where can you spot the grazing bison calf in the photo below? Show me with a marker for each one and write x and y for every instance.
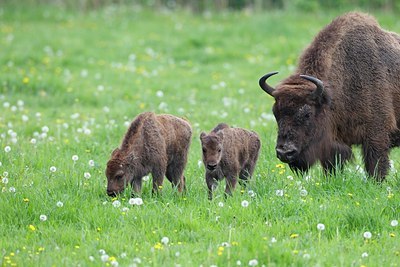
(156, 144)
(345, 91)
(231, 153)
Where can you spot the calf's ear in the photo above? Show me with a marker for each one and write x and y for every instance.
(115, 152)
(202, 135)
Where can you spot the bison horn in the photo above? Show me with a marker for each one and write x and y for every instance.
(320, 85)
(268, 89)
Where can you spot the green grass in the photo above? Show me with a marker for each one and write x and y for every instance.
(83, 76)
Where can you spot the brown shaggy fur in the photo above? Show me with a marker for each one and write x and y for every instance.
(359, 65)
(156, 144)
(231, 153)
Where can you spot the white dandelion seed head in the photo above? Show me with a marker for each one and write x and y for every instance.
(225, 244)
(125, 209)
(25, 118)
(12, 189)
(59, 204)
(238, 263)
(104, 258)
(5, 174)
(245, 203)
(394, 223)
(289, 177)
(102, 251)
(160, 93)
(303, 193)
(114, 263)
(4, 180)
(274, 240)
(253, 262)
(33, 141)
(87, 175)
(45, 129)
(306, 256)
(220, 204)
(91, 163)
(321, 227)
(136, 201)
(367, 235)
(279, 193)
(364, 255)
(7, 149)
(75, 157)
(116, 204)
(91, 258)
(43, 218)
(251, 193)
(137, 260)
(53, 169)
(165, 240)
(146, 178)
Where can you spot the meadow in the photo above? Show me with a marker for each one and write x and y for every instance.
(71, 83)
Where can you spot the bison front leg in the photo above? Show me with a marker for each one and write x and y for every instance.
(137, 186)
(376, 158)
(211, 184)
(231, 181)
(158, 179)
(336, 158)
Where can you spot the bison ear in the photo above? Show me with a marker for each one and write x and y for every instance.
(319, 95)
(202, 135)
(115, 152)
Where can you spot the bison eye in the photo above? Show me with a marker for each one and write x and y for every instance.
(219, 150)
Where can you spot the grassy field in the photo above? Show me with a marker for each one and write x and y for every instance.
(70, 85)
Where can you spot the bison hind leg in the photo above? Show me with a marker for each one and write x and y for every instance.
(175, 175)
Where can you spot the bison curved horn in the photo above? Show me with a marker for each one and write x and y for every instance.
(268, 89)
(320, 85)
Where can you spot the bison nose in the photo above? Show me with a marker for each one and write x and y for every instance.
(111, 193)
(286, 154)
(211, 166)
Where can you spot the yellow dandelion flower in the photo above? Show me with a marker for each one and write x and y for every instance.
(295, 252)
(77, 246)
(12, 254)
(158, 245)
(392, 235)
(142, 105)
(26, 200)
(40, 249)
(32, 228)
(235, 243)
(220, 251)
(390, 195)
(350, 194)
(357, 203)
(25, 80)
(112, 258)
(294, 235)
(98, 229)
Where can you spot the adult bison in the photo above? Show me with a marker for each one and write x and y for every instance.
(345, 91)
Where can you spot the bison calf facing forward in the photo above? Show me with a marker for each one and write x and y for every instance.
(345, 91)
(156, 144)
(231, 153)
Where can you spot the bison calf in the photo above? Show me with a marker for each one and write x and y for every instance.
(156, 144)
(231, 153)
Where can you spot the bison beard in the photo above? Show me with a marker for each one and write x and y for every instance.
(345, 91)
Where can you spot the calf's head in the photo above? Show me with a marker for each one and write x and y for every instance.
(212, 149)
(117, 174)
(300, 111)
